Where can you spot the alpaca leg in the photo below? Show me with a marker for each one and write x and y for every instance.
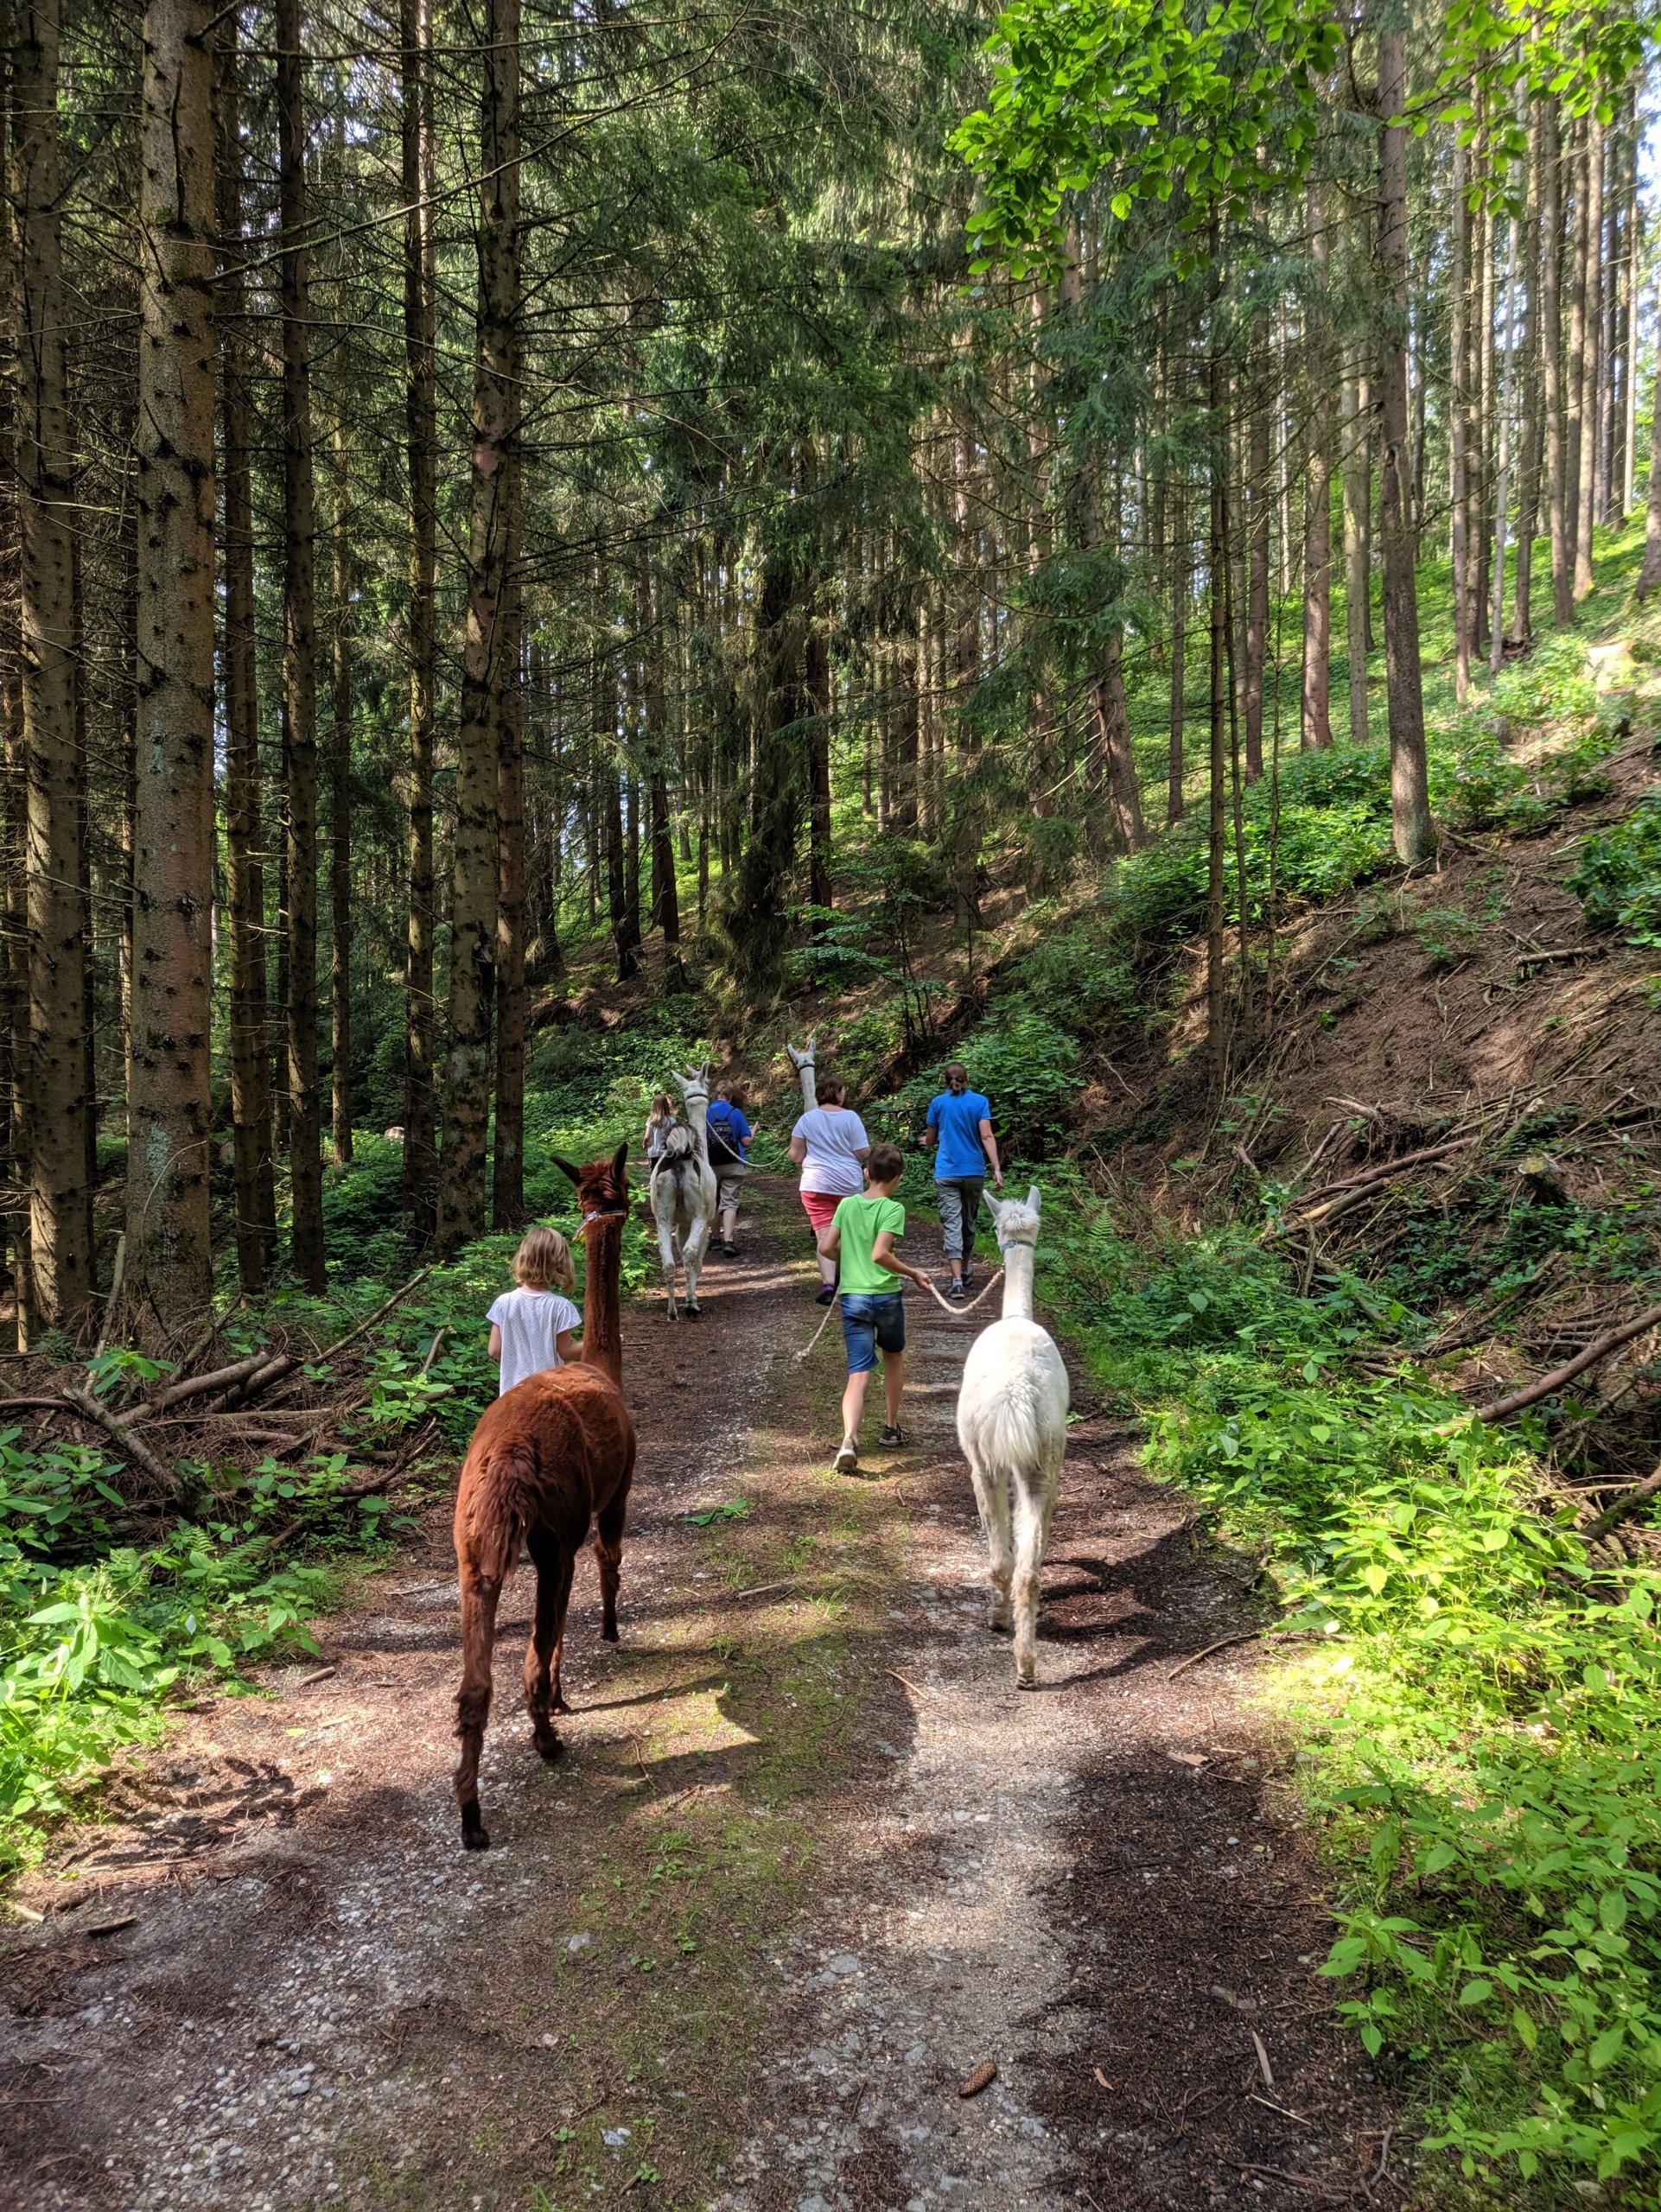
(608, 1558)
(1035, 1502)
(666, 1264)
(992, 1502)
(554, 1564)
(695, 1245)
(479, 1594)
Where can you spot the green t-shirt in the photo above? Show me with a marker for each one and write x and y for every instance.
(861, 1221)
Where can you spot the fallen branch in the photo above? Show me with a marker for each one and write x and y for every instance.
(203, 1386)
(1384, 1169)
(88, 1408)
(1619, 1509)
(288, 1363)
(1246, 1636)
(1599, 1349)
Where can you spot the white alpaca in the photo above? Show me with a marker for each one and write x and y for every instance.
(1012, 1423)
(683, 1193)
(804, 1065)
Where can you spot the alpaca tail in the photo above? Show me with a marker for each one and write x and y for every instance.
(501, 1508)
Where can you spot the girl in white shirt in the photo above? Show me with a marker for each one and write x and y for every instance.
(534, 1327)
(830, 1145)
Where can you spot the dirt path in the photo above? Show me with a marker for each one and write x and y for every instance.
(809, 1861)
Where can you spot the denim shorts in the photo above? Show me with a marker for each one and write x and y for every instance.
(872, 1321)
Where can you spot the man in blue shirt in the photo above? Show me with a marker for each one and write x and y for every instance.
(729, 1133)
(960, 1122)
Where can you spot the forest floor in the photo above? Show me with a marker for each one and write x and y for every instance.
(809, 1862)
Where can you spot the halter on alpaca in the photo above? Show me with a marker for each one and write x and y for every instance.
(1012, 1423)
(683, 1194)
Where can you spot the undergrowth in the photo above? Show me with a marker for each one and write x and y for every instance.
(99, 1632)
(1480, 1706)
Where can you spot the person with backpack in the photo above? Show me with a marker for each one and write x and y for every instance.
(960, 1122)
(729, 1134)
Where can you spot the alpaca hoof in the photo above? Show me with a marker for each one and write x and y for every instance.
(693, 1314)
(609, 1635)
(473, 1837)
(559, 1704)
(1001, 1627)
(550, 1748)
(1026, 1681)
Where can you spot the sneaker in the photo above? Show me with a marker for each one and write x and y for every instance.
(729, 1251)
(825, 1293)
(847, 1458)
(967, 1272)
(894, 1438)
(957, 1292)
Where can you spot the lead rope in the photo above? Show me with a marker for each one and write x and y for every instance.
(944, 1305)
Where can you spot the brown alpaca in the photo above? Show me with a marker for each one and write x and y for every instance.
(554, 1454)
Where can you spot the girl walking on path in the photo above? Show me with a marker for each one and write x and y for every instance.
(830, 1148)
(960, 1120)
(861, 1235)
(535, 1326)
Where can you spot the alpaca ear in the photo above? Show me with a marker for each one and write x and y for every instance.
(576, 1173)
(992, 1206)
(620, 1165)
(1034, 1204)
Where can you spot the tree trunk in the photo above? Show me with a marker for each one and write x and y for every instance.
(1409, 770)
(421, 437)
(340, 850)
(1459, 423)
(299, 657)
(1502, 479)
(1315, 720)
(1591, 255)
(476, 878)
(1358, 581)
(1180, 584)
(507, 1177)
(56, 1097)
(1258, 507)
(1578, 385)
(1649, 575)
(1528, 450)
(250, 1066)
(1553, 379)
(817, 677)
(169, 1260)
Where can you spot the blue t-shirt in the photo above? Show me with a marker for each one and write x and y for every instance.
(738, 1129)
(958, 1115)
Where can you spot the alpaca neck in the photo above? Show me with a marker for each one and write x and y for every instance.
(602, 1331)
(810, 1078)
(1017, 1282)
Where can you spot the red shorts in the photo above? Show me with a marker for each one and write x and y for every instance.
(820, 1207)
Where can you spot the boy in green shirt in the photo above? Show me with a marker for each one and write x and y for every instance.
(861, 1236)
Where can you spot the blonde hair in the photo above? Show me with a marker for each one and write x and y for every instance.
(662, 1110)
(543, 1262)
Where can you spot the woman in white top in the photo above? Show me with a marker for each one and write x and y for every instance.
(534, 1327)
(830, 1147)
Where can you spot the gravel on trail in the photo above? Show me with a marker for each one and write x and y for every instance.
(1093, 1890)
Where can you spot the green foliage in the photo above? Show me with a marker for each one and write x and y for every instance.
(1023, 1062)
(1484, 1707)
(1221, 103)
(91, 1646)
(1619, 878)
